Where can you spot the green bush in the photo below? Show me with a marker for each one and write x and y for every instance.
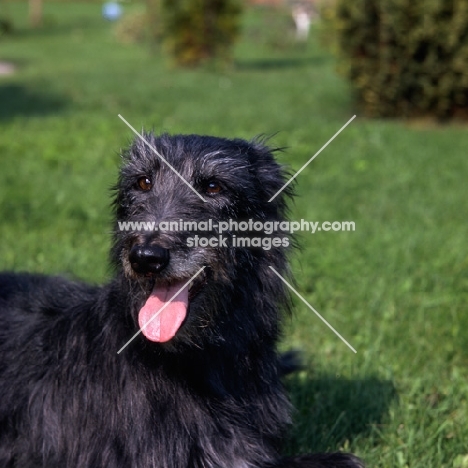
(196, 31)
(405, 57)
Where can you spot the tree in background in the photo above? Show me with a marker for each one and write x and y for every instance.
(35, 13)
(198, 31)
(6, 25)
(404, 57)
(153, 14)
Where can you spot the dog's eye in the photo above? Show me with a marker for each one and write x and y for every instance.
(144, 183)
(213, 187)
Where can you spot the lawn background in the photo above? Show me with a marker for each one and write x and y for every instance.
(396, 288)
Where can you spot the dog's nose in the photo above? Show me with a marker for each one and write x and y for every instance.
(148, 258)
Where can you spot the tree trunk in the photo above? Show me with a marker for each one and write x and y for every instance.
(35, 13)
(153, 11)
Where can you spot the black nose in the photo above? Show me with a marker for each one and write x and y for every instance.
(148, 258)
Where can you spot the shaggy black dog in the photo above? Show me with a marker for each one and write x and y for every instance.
(200, 386)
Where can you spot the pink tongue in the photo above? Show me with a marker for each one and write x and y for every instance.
(163, 316)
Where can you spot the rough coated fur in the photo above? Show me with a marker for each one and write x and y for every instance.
(210, 397)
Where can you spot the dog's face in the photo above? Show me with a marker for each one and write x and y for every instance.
(183, 209)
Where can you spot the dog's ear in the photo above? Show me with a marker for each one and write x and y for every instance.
(272, 176)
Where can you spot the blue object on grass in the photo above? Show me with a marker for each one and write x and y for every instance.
(111, 11)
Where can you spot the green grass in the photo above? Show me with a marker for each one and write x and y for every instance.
(396, 288)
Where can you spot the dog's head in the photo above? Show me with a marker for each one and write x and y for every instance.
(177, 204)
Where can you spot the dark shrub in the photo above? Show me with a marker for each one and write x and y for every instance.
(405, 57)
(196, 31)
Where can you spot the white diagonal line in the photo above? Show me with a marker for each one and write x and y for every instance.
(313, 310)
(155, 151)
(160, 310)
(312, 158)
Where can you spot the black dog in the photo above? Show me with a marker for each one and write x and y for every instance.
(200, 386)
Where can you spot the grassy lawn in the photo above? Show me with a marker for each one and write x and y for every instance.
(396, 288)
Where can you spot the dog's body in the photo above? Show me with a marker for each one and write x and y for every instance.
(200, 387)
